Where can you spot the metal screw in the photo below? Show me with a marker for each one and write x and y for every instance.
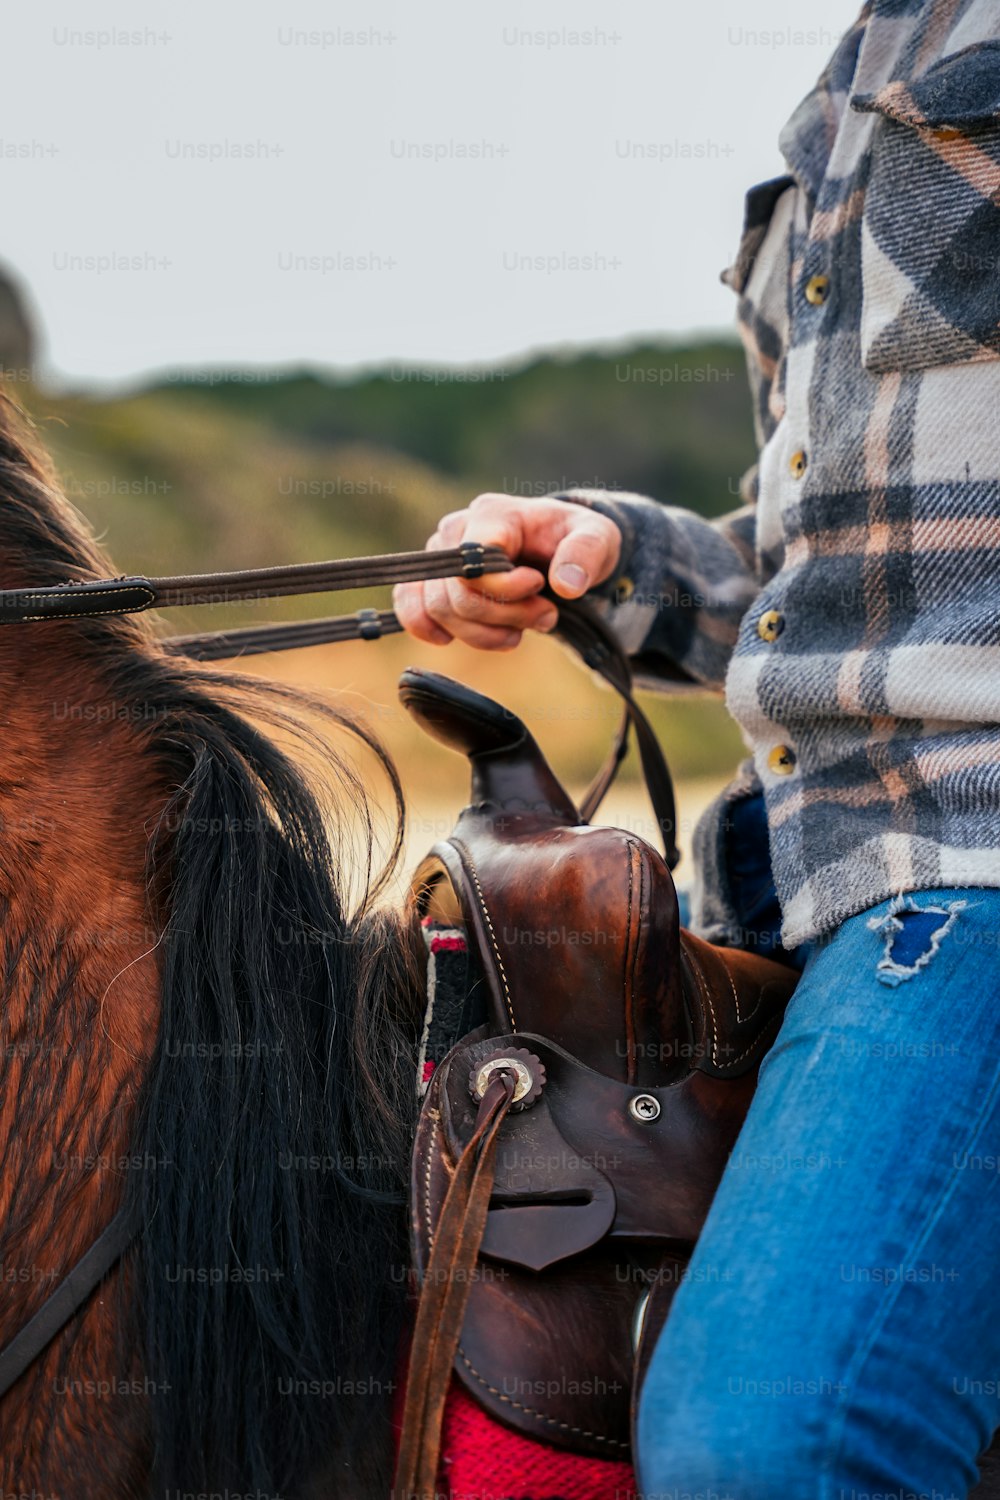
(644, 1108)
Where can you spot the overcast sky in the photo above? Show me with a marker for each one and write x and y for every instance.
(348, 184)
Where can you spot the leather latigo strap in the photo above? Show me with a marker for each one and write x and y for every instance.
(447, 1279)
(646, 1042)
(582, 628)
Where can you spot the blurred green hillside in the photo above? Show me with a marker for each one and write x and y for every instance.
(207, 471)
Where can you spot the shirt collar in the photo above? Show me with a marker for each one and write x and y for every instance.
(806, 139)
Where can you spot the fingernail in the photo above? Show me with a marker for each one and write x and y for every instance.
(572, 577)
(548, 621)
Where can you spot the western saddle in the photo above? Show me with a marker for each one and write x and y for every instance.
(569, 1145)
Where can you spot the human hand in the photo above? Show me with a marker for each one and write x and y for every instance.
(569, 546)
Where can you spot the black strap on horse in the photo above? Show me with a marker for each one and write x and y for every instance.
(69, 1296)
(580, 626)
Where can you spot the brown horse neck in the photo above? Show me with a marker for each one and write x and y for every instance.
(78, 968)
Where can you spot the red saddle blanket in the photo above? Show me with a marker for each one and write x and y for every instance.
(480, 1460)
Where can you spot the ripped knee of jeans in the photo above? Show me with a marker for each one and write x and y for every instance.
(913, 934)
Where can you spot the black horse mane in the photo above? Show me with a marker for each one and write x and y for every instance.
(269, 1267)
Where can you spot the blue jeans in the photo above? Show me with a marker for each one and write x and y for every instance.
(837, 1336)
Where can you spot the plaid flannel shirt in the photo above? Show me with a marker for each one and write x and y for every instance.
(852, 608)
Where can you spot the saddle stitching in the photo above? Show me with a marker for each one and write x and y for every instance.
(630, 959)
(745, 1020)
(706, 995)
(736, 1002)
(122, 609)
(747, 1050)
(532, 1411)
(707, 992)
(489, 923)
(436, 1121)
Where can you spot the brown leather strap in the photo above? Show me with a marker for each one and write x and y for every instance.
(581, 627)
(444, 1295)
(124, 596)
(68, 1297)
(224, 645)
(470, 560)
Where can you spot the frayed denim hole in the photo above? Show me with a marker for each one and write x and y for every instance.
(913, 935)
(914, 938)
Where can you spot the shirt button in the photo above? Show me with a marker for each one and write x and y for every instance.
(781, 760)
(624, 589)
(817, 290)
(770, 625)
(798, 463)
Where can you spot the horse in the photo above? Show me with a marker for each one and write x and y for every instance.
(201, 1023)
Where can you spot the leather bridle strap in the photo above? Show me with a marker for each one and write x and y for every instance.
(252, 640)
(127, 596)
(68, 1297)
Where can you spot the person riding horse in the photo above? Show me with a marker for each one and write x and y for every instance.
(836, 1332)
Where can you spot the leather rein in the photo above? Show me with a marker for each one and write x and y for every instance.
(580, 626)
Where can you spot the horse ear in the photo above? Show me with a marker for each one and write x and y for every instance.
(509, 772)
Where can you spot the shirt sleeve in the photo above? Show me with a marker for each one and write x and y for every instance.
(682, 586)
